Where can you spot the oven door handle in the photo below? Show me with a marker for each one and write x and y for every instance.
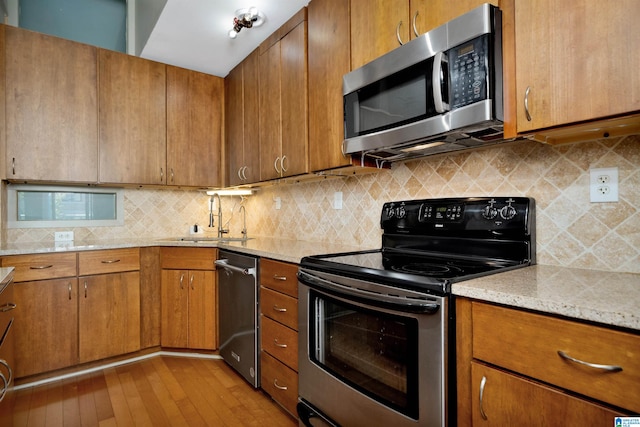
(413, 305)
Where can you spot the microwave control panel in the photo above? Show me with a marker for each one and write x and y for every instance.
(468, 72)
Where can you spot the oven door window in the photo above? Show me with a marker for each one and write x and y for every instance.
(403, 97)
(373, 351)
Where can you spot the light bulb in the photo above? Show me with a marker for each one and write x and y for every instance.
(233, 34)
(253, 12)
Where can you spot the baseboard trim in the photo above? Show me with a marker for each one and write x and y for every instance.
(115, 364)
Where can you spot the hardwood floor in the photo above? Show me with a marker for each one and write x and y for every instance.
(160, 391)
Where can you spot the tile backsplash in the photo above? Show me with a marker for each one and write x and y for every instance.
(571, 231)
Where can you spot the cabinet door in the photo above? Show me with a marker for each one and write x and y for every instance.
(132, 120)
(51, 108)
(202, 310)
(175, 308)
(576, 61)
(3, 145)
(46, 325)
(109, 315)
(293, 50)
(374, 24)
(242, 88)
(194, 128)
(329, 60)
(508, 400)
(270, 114)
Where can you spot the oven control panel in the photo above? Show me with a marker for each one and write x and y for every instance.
(477, 213)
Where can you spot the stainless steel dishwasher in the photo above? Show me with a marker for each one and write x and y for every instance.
(238, 313)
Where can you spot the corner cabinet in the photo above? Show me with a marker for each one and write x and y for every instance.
(279, 332)
(51, 108)
(189, 298)
(530, 370)
(284, 101)
(194, 128)
(242, 89)
(132, 117)
(575, 62)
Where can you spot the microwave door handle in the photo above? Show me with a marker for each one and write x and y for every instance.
(436, 83)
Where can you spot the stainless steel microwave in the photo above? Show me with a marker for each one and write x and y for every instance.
(439, 92)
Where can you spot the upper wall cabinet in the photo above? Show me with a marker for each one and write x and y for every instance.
(3, 146)
(283, 101)
(194, 128)
(329, 60)
(132, 120)
(242, 87)
(575, 61)
(380, 26)
(51, 108)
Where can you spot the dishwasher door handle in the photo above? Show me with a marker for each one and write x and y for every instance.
(224, 263)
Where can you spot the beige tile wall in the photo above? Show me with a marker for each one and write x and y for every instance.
(571, 231)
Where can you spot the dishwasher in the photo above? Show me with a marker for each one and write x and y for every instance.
(238, 313)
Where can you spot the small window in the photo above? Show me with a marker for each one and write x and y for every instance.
(31, 206)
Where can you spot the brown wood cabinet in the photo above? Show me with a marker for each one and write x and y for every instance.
(46, 325)
(109, 303)
(242, 89)
(3, 144)
(538, 347)
(51, 108)
(329, 60)
(284, 101)
(132, 112)
(189, 298)
(279, 337)
(575, 61)
(194, 128)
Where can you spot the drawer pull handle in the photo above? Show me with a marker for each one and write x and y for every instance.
(279, 387)
(110, 261)
(7, 307)
(41, 267)
(282, 278)
(275, 341)
(279, 309)
(483, 382)
(609, 368)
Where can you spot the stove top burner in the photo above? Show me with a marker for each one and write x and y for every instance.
(425, 268)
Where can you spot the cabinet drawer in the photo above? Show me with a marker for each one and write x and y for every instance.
(108, 261)
(279, 381)
(41, 266)
(188, 258)
(280, 341)
(530, 343)
(279, 307)
(279, 276)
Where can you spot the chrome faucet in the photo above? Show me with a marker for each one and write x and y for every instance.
(244, 221)
(221, 230)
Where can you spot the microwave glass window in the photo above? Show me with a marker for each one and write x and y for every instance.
(395, 100)
(373, 351)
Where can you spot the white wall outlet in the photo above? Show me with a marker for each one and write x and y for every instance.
(278, 201)
(603, 185)
(337, 200)
(63, 236)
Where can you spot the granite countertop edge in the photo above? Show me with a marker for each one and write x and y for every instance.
(603, 297)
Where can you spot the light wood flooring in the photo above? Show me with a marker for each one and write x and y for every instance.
(159, 391)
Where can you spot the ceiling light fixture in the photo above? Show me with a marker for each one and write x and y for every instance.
(246, 18)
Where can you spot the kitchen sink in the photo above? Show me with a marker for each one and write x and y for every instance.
(195, 239)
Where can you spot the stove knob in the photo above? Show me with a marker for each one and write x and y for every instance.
(508, 212)
(401, 212)
(490, 212)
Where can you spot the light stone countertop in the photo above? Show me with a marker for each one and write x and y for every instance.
(600, 296)
(604, 297)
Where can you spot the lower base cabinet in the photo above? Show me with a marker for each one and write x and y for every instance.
(509, 400)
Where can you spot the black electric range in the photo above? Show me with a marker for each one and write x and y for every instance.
(429, 244)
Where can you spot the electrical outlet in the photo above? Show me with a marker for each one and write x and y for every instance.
(278, 201)
(337, 200)
(603, 185)
(63, 236)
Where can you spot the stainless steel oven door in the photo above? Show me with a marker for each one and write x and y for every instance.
(371, 354)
